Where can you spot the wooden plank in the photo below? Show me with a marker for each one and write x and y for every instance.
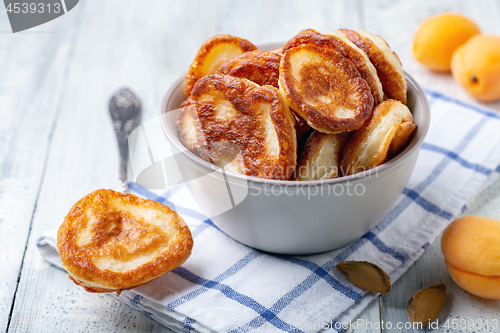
(144, 45)
(34, 65)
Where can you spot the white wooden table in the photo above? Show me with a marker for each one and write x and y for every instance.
(57, 143)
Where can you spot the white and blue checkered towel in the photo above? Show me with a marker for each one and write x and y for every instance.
(228, 287)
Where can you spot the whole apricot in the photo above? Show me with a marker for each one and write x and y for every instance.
(439, 36)
(476, 67)
(470, 246)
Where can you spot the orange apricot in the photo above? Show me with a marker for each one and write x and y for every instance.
(476, 67)
(470, 247)
(479, 285)
(437, 38)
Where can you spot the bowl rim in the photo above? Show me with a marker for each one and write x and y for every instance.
(384, 168)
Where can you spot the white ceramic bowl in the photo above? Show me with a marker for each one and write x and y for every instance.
(291, 217)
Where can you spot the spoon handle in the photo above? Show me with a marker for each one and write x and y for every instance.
(122, 179)
(124, 109)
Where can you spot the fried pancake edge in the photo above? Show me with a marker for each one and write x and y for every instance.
(261, 67)
(341, 43)
(394, 121)
(317, 151)
(203, 57)
(79, 260)
(242, 96)
(190, 131)
(313, 116)
(364, 65)
(387, 63)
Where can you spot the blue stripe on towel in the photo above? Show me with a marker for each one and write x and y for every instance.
(455, 157)
(321, 273)
(199, 229)
(188, 324)
(221, 277)
(401, 256)
(230, 293)
(478, 109)
(289, 297)
(327, 267)
(427, 205)
(136, 300)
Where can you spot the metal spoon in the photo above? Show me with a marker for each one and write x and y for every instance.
(124, 108)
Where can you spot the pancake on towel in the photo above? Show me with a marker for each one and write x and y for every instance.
(112, 241)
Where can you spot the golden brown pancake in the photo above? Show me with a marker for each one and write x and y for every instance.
(260, 67)
(320, 157)
(112, 241)
(338, 41)
(386, 134)
(255, 118)
(325, 88)
(387, 63)
(212, 54)
(190, 131)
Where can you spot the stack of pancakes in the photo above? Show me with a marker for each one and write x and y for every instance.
(325, 105)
